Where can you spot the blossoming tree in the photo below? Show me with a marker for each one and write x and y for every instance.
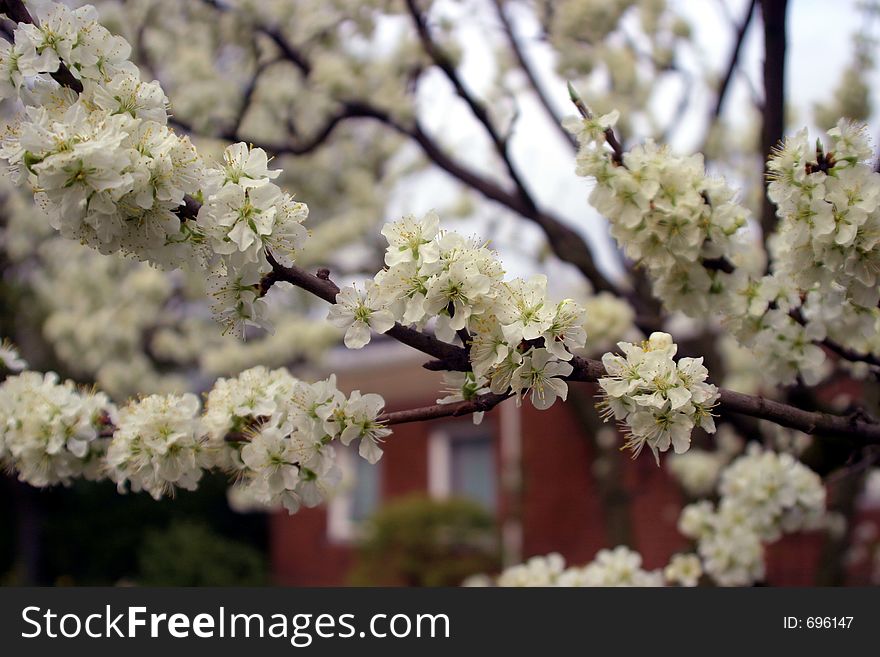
(110, 168)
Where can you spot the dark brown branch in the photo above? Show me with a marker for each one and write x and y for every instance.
(247, 100)
(17, 12)
(850, 354)
(454, 358)
(795, 418)
(534, 83)
(477, 107)
(732, 62)
(835, 348)
(327, 290)
(773, 125)
(566, 243)
(288, 51)
(481, 404)
(348, 110)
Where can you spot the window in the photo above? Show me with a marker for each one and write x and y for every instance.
(461, 463)
(358, 498)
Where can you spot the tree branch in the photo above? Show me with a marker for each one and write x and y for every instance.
(566, 243)
(850, 354)
(732, 62)
(480, 404)
(534, 83)
(290, 53)
(454, 358)
(477, 108)
(773, 125)
(321, 286)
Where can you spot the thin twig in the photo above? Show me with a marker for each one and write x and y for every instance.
(532, 78)
(480, 404)
(732, 62)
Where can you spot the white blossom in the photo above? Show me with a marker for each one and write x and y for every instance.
(51, 432)
(683, 569)
(658, 400)
(158, 445)
(359, 312)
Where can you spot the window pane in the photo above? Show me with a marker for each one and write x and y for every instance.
(366, 492)
(473, 470)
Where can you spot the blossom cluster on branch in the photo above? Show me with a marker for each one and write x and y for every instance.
(657, 399)
(763, 495)
(689, 233)
(112, 174)
(827, 247)
(270, 431)
(517, 340)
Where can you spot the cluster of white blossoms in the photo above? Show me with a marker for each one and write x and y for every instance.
(780, 493)
(245, 217)
(111, 173)
(618, 567)
(271, 431)
(665, 212)
(763, 495)
(827, 247)
(537, 571)
(51, 432)
(275, 433)
(518, 341)
(658, 400)
(103, 162)
(684, 228)
(731, 552)
(158, 445)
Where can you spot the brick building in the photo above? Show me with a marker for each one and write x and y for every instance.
(533, 469)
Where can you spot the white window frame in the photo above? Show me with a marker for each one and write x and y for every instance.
(440, 456)
(341, 527)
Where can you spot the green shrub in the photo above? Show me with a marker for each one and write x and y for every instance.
(416, 541)
(192, 554)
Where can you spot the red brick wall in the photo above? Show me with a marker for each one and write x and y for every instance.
(561, 509)
(302, 555)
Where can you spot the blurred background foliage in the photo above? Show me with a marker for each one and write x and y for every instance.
(416, 541)
(88, 534)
